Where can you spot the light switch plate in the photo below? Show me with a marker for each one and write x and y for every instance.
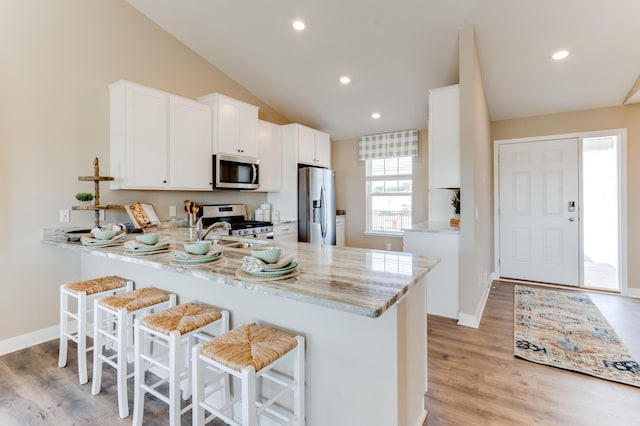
(64, 215)
(101, 215)
(172, 211)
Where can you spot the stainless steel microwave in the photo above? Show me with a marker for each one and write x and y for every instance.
(235, 172)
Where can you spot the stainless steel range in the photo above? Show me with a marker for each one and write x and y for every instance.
(236, 216)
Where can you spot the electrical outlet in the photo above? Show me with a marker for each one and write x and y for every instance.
(100, 214)
(388, 245)
(172, 211)
(64, 215)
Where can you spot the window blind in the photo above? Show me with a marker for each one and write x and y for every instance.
(388, 145)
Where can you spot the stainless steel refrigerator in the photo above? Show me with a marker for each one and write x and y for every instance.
(317, 205)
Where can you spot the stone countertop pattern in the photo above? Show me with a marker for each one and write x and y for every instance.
(360, 281)
(444, 227)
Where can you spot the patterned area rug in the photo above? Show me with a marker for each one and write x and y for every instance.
(566, 330)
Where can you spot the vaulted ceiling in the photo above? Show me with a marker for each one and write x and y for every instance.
(395, 51)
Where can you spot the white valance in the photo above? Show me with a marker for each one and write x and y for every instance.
(388, 145)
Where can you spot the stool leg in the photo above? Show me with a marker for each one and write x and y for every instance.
(198, 370)
(299, 377)
(98, 319)
(139, 370)
(64, 341)
(122, 342)
(82, 338)
(249, 397)
(176, 366)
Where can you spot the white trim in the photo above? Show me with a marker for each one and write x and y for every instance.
(622, 133)
(29, 339)
(423, 419)
(633, 292)
(473, 321)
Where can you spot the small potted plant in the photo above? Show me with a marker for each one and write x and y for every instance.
(455, 203)
(85, 198)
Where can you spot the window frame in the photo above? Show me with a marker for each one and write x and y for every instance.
(369, 178)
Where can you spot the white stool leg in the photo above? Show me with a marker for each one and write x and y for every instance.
(140, 368)
(64, 341)
(98, 318)
(122, 340)
(82, 338)
(176, 366)
(298, 376)
(198, 371)
(249, 417)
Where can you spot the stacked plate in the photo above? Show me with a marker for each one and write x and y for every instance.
(94, 242)
(273, 272)
(138, 248)
(196, 259)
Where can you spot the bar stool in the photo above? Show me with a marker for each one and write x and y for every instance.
(176, 330)
(113, 326)
(249, 353)
(84, 292)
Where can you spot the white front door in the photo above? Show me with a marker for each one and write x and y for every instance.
(539, 211)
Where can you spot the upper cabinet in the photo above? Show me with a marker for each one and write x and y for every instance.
(314, 146)
(235, 125)
(158, 140)
(444, 137)
(270, 156)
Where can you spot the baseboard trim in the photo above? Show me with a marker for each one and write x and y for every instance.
(29, 339)
(423, 419)
(473, 321)
(633, 292)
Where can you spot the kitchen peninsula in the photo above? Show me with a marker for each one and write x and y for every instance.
(362, 313)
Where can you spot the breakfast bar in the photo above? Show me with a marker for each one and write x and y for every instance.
(362, 313)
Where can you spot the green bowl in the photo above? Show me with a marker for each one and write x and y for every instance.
(149, 239)
(101, 234)
(266, 254)
(197, 247)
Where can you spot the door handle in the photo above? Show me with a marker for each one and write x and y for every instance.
(572, 219)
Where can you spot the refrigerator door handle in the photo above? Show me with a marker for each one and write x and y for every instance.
(323, 210)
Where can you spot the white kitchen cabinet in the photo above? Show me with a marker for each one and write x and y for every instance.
(314, 146)
(158, 140)
(340, 230)
(235, 125)
(444, 137)
(286, 201)
(286, 231)
(270, 156)
(442, 280)
(190, 152)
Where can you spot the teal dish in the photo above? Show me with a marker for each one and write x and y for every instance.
(151, 248)
(196, 261)
(149, 239)
(275, 272)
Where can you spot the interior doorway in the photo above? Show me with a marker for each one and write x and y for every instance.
(533, 204)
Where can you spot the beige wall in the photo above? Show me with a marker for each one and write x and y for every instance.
(627, 117)
(57, 59)
(350, 192)
(476, 234)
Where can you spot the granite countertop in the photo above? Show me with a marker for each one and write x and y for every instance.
(444, 227)
(360, 281)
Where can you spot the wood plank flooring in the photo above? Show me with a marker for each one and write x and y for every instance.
(474, 379)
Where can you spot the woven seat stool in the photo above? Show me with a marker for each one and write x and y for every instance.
(249, 353)
(84, 293)
(175, 331)
(113, 326)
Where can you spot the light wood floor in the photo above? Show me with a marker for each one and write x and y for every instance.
(474, 379)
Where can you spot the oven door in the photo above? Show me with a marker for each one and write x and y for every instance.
(235, 172)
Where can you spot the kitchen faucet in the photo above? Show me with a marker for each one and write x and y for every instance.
(224, 225)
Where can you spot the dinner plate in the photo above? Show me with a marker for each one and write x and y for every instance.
(275, 272)
(103, 243)
(197, 260)
(149, 248)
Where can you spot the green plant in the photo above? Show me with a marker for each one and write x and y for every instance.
(455, 201)
(84, 196)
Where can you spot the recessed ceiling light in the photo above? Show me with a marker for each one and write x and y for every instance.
(375, 115)
(345, 79)
(299, 25)
(560, 55)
